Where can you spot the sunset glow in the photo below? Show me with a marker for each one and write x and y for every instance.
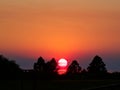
(74, 29)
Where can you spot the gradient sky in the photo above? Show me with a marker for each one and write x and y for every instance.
(71, 29)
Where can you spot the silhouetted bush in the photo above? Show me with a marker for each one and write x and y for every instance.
(9, 69)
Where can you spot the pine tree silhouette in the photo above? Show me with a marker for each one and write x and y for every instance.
(40, 65)
(51, 66)
(74, 68)
(97, 66)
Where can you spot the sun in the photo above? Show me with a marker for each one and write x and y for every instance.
(62, 62)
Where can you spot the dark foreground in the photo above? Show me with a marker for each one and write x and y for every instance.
(60, 85)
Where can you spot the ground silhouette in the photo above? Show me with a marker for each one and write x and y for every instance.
(44, 76)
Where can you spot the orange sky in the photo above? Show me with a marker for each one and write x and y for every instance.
(59, 28)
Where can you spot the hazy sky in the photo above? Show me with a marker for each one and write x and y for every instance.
(71, 29)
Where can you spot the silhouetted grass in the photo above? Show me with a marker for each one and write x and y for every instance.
(54, 84)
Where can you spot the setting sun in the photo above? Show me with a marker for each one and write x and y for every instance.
(62, 62)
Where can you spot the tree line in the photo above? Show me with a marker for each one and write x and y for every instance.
(46, 70)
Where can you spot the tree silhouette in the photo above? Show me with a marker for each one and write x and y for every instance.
(40, 65)
(8, 67)
(97, 66)
(83, 71)
(74, 68)
(51, 66)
